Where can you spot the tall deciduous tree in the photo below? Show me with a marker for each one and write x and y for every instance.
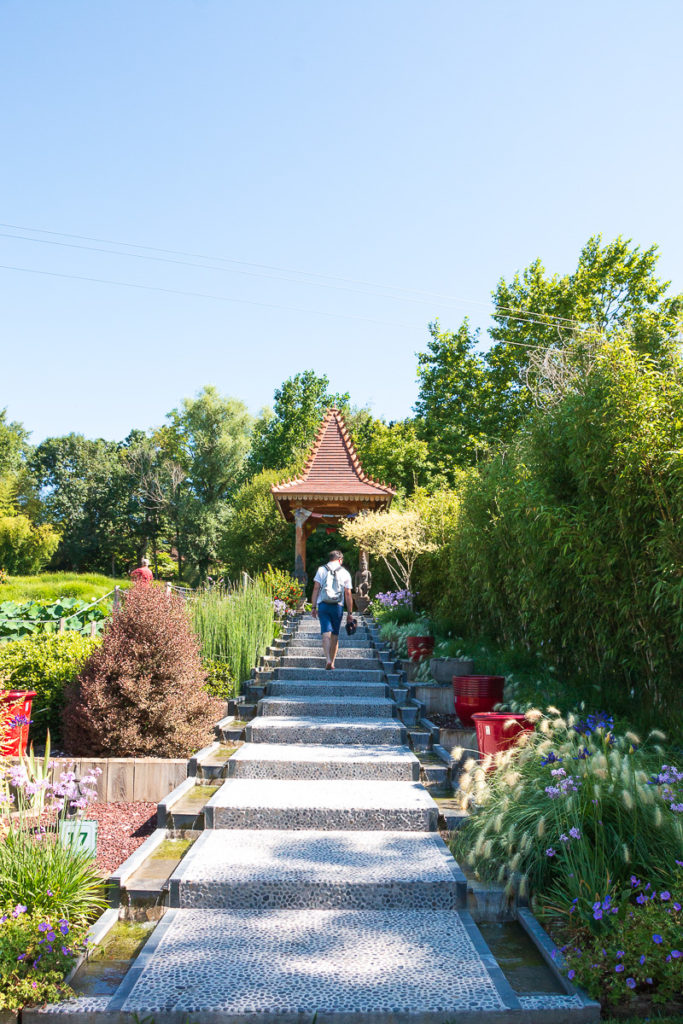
(282, 437)
(209, 437)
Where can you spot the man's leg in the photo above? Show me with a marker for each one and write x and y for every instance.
(326, 637)
(334, 644)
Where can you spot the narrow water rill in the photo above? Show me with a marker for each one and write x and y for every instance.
(312, 880)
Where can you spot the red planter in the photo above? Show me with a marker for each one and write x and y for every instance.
(474, 694)
(492, 734)
(420, 647)
(17, 703)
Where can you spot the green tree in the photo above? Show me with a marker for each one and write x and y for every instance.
(255, 535)
(284, 436)
(83, 490)
(392, 452)
(208, 436)
(456, 404)
(24, 547)
(14, 444)
(613, 287)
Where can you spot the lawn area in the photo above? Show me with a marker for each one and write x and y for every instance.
(50, 586)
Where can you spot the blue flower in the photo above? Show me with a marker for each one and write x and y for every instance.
(619, 968)
(43, 926)
(597, 915)
(64, 927)
(570, 974)
(22, 956)
(631, 982)
(620, 953)
(649, 981)
(665, 895)
(676, 953)
(550, 852)
(642, 959)
(657, 939)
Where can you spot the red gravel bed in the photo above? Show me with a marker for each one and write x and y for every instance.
(121, 828)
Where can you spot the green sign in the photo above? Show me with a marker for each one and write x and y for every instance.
(80, 834)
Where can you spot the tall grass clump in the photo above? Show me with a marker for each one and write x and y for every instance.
(235, 626)
(572, 812)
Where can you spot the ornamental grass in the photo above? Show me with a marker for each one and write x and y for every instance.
(571, 812)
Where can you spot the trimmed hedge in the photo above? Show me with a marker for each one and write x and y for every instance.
(46, 663)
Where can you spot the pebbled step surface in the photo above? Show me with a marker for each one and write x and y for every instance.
(343, 675)
(311, 761)
(357, 870)
(266, 729)
(287, 688)
(292, 964)
(337, 805)
(327, 707)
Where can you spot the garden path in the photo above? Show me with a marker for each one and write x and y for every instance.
(321, 886)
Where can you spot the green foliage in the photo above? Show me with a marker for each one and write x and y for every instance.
(396, 633)
(569, 814)
(397, 536)
(208, 437)
(33, 617)
(640, 955)
(32, 970)
(283, 586)
(46, 663)
(456, 405)
(25, 548)
(283, 437)
(31, 870)
(392, 452)
(255, 535)
(235, 627)
(13, 444)
(51, 586)
(569, 541)
(219, 679)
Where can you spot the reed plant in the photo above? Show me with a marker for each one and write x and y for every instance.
(235, 625)
(571, 812)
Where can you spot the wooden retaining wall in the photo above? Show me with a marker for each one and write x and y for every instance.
(125, 779)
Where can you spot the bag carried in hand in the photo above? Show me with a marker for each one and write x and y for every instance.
(333, 592)
(351, 626)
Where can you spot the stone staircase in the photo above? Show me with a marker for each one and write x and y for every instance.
(320, 886)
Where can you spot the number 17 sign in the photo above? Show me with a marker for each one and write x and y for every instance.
(80, 835)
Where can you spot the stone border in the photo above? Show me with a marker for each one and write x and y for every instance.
(164, 807)
(118, 878)
(551, 955)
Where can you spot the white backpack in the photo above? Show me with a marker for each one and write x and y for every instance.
(332, 590)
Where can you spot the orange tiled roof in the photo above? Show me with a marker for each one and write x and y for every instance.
(333, 468)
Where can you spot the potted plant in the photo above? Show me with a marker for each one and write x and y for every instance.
(419, 641)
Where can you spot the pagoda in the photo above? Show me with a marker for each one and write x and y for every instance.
(331, 487)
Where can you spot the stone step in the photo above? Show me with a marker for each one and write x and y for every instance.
(301, 675)
(328, 804)
(354, 653)
(382, 731)
(409, 714)
(311, 761)
(257, 966)
(327, 707)
(325, 688)
(340, 664)
(264, 869)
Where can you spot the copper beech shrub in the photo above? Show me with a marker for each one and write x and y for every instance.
(140, 694)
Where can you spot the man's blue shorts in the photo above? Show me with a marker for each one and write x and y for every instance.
(330, 616)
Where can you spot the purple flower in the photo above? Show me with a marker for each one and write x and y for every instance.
(634, 881)
(22, 956)
(574, 833)
(65, 951)
(631, 982)
(43, 926)
(641, 899)
(642, 959)
(676, 953)
(64, 927)
(657, 939)
(550, 852)
(665, 895)
(570, 974)
(597, 915)
(649, 981)
(676, 906)
(50, 936)
(19, 909)
(619, 968)
(620, 953)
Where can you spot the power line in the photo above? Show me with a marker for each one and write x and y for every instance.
(547, 318)
(202, 295)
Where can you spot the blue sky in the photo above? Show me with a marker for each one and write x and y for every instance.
(425, 149)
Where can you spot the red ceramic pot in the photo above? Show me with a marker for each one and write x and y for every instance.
(420, 647)
(475, 694)
(498, 731)
(17, 704)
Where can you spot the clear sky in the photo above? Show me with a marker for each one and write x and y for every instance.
(418, 147)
